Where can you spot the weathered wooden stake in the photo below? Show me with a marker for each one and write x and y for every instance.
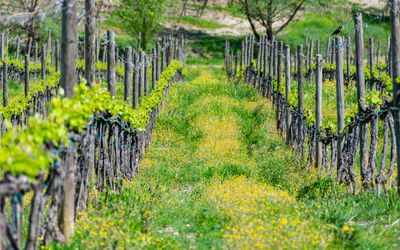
(378, 52)
(141, 74)
(275, 59)
(2, 42)
(57, 48)
(339, 103)
(43, 62)
(348, 55)
(163, 54)
(157, 61)
(90, 53)
(26, 75)
(153, 69)
(5, 85)
(146, 75)
(67, 79)
(111, 77)
(49, 41)
(135, 89)
(287, 89)
(371, 56)
(327, 52)
(128, 75)
(29, 46)
(318, 110)
(36, 52)
(105, 52)
(16, 54)
(311, 55)
(395, 48)
(300, 92)
(361, 88)
(333, 51)
(139, 41)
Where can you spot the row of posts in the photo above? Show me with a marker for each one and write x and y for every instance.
(136, 64)
(269, 64)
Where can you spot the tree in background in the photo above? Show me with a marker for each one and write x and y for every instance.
(141, 16)
(28, 15)
(269, 12)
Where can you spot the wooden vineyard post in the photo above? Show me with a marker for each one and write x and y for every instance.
(300, 97)
(371, 57)
(287, 90)
(310, 56)
(26, 75)
(29, 46)
(227, 56)
(280, 54)
(306, 54)
(49, 41)
(170, 50)
(157, 61)
(139, 41)
(317, 47)
(262, 48)
(236, 64)
(339, 103)
(265, 66)
(327, 52)
(258, 66)
(395, 49)
(242, 55)
(146, 75)
(333, 52)
(135, 85)
(111, 78)
(128, 75)
(348, 55)
(245, 52)
(141, 74)
(388, 57)
(2, 42)
(97, 47)
(271, 56)
(105, 52)
(36, 52)
(57, 47)
(16, 54)
(163, 54)
(361, 88)
(5, 85)
(43, 62)
(378, 51)
(279, 79)
(251, 48)
(275, 59)
(90, 53)
(68, 62)
(153, 69)
(318, 110)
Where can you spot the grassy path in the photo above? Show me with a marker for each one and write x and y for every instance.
(217, 175)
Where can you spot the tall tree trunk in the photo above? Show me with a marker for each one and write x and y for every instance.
(253, 27)
(203, 7)
(183, 10)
